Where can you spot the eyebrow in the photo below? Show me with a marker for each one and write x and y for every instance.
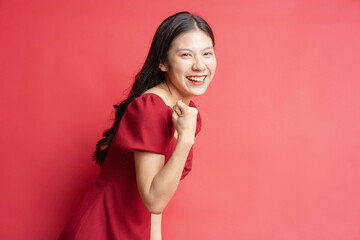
(188, 49)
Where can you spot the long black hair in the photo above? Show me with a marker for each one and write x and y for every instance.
(150, 75)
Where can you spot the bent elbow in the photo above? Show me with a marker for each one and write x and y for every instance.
(157, 212)
(155, 208)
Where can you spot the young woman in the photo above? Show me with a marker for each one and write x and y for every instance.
(149, 148)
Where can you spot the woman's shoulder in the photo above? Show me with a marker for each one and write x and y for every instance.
(159, 93)
(154, 99)
(146, 125)
(148, 105)
(149, 102)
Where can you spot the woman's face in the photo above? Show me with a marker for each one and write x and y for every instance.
(191, 64)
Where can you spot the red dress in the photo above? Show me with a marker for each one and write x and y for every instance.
(112, 208)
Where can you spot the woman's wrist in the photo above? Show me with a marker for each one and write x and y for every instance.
(186, 140)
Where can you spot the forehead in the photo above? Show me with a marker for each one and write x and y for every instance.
(192, 39)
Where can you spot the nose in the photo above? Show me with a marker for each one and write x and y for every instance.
(198, 64)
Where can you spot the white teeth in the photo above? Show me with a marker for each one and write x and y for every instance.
(196, 78)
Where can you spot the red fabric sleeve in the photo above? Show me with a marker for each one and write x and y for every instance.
(146, 125)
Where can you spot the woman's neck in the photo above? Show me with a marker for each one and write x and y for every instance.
(173, 94)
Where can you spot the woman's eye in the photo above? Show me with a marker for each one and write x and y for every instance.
(208, 53)
(186, 55)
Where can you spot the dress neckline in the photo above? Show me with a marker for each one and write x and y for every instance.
(191, 104)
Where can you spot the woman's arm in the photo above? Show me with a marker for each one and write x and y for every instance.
(155, 230)
(157, 182)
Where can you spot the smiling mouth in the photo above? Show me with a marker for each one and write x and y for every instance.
(196, 78)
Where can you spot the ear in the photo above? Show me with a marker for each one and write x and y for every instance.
(163, 66)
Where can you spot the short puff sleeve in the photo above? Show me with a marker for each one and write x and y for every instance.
(146, 125)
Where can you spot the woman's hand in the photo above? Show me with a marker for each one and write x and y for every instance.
(184, 119)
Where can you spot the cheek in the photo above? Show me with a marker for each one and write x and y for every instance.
(181, 68)
(212, 65)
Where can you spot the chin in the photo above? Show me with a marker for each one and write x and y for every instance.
(198, 93)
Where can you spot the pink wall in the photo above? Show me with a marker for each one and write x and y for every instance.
(278, 157)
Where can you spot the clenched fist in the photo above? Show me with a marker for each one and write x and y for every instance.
(184, 119)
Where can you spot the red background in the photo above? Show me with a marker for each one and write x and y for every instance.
(278, 156)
